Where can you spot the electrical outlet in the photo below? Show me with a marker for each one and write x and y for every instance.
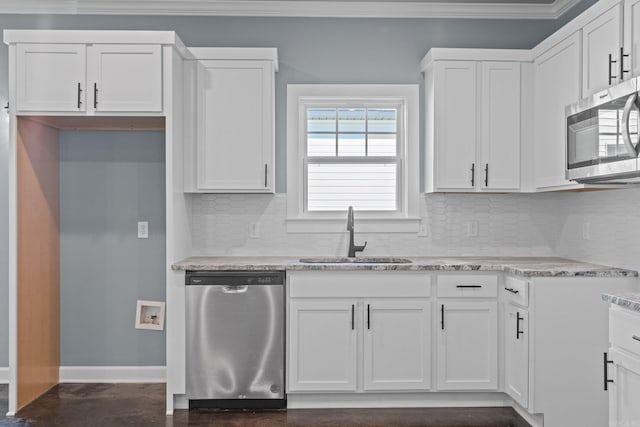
(472, 229)
(586, 230)
(143, 230)
(423, 230)
(254, 230)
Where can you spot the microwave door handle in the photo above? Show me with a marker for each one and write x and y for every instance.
(626, 135)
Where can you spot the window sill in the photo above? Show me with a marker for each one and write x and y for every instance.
(363, 225)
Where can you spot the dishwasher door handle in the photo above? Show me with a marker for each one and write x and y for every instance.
(235, 289)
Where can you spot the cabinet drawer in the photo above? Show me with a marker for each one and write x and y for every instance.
(624, 329)
(467, 286)
(516, 291)
(358, 284)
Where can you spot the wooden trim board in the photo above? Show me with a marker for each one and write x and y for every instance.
(38, 260)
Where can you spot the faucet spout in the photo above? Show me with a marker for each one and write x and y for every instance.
(350, 219)
(353, 248)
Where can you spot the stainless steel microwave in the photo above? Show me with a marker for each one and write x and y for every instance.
(602, 136)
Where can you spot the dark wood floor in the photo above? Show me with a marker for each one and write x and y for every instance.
(142, 405)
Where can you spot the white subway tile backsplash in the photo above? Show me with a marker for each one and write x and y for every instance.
(507, 225)
(545, 224)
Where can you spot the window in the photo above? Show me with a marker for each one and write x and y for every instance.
(352, 145)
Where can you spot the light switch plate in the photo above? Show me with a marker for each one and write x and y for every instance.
(143, 229)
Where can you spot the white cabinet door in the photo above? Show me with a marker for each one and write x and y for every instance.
(500, 124)
(632, 37)
(467, 345)
(624, 392)
(397, 345)
(235, 142)
(322, 345)
(50, 77)
(455, 113)
(516, 339)
(600, 38)
(124, 78)
(557, 83)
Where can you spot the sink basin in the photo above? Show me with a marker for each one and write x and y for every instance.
(357, 260)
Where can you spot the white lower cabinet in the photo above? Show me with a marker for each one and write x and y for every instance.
(622, 374)
(624, 392)
(516, 360)
(468, 345)
(359, 338)
(359, 331)
(397, 345)
(323, 341)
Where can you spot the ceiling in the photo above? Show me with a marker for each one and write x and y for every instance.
(470, 9)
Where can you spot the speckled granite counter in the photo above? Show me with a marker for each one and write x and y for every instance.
(522, 266)
(628, 300)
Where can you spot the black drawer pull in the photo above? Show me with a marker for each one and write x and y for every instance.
(513, 291)
(606, 372)
(518, 331)
(368, 316)
(442, 317)
(353, 315)
(635, 337)
(469, 286)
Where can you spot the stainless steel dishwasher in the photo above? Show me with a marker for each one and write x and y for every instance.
(235, 339)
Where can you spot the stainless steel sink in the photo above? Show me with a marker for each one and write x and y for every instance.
(357, 260)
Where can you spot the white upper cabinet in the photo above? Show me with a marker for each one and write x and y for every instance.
(632, 36)
(232, 146)
(473, 125)
(455, 134)
(500, 126)
(59, 78)
(556, 84)
(124, 77)
(235, 126)
(51, 77)
(601, 47)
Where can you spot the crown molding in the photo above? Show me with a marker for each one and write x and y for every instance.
(290, 8)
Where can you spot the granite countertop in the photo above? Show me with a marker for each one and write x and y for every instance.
(522, 266)
(630, 300)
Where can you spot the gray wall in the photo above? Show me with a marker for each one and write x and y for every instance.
(108, 182)
(311, 51)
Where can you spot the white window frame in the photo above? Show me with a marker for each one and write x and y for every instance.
(406, 218)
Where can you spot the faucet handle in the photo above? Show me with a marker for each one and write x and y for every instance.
(361, 248)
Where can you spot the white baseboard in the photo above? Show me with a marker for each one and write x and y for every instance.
(113, 374)
(4, 375)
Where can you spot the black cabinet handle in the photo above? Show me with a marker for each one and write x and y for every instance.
(79, 92)
(635, 337)
(606, 372)
(513, 291)
(368, 316)
(486, 174)
(353, 311)
(611, 61)
(518, 331)
(265, 175)
(469, 286)
(473, 174)
(442, 317)
(95, 95)
(622, 70)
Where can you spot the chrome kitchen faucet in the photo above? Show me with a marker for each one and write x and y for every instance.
(350, 226)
